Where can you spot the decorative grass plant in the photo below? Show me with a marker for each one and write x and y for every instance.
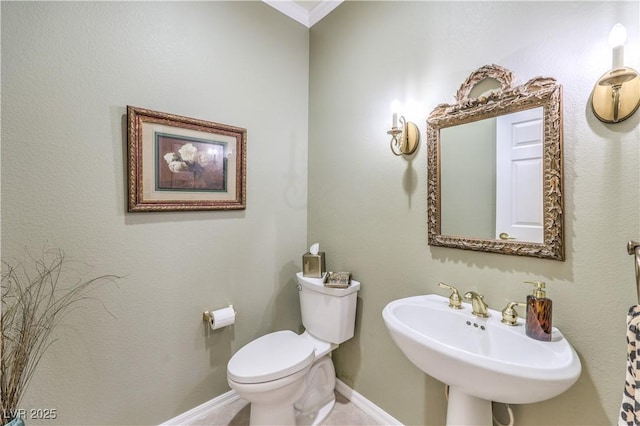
(35, 298)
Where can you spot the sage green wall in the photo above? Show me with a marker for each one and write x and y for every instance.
(68, 72)
(367, 207)
(69, 69)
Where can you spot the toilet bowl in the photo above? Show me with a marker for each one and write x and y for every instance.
(289, 379)
(273, 373)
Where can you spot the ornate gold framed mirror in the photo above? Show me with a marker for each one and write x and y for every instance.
(495, 167)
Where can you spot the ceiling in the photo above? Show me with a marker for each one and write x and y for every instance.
(307, 12)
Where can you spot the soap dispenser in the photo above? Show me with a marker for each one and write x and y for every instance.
(539, 307)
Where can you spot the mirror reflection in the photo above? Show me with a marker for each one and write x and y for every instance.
(493, 168)
(495, 179)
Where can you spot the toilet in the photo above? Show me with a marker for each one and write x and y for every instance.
(289, 378)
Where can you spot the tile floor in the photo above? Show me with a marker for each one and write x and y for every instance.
(344, 413)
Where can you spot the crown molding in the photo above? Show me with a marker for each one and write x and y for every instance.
(307, 17)
(321, 10)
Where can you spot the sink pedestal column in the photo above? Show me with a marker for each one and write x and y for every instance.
(468, 410)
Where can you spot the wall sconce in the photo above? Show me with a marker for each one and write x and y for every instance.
(404, 139)
(616, 95)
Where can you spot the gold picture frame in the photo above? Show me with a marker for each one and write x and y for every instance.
(178, 163)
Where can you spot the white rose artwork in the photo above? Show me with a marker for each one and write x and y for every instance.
(189, 159)
(178, 163)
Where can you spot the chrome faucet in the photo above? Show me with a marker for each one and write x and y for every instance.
(477, 303)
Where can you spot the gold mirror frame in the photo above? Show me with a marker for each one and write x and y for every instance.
(537, 92)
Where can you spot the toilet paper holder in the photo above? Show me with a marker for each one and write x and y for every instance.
(208, 316)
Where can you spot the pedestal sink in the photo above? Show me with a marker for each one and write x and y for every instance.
(481, 359)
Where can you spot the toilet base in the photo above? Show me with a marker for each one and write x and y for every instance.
(316, 418)
(319, 396)
(272, 402)
(287, 416)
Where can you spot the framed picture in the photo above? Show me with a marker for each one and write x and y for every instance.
(180, 163)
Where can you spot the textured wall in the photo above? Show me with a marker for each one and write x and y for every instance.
(367, 207)
(68, 72)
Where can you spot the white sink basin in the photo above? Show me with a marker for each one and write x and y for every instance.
(480, 357)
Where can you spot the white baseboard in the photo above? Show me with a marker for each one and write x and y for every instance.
(195, 415)
(372, 410)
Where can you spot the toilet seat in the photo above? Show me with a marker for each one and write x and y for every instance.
(271, 357)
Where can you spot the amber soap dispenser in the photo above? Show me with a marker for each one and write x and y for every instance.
(539, 308)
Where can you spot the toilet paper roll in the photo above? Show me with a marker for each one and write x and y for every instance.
(222, 317)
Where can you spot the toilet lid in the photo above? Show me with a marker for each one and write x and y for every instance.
(270, 357)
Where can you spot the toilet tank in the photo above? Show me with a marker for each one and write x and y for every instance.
(328, 313)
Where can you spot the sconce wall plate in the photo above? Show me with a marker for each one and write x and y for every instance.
(404, 139)
(616, 95)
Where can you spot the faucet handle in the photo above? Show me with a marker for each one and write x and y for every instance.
(509, 313)
(455, 301)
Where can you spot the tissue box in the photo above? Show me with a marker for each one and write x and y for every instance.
(313, 265)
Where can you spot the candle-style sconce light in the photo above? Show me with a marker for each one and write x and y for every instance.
(616, 95)
(405, 137)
